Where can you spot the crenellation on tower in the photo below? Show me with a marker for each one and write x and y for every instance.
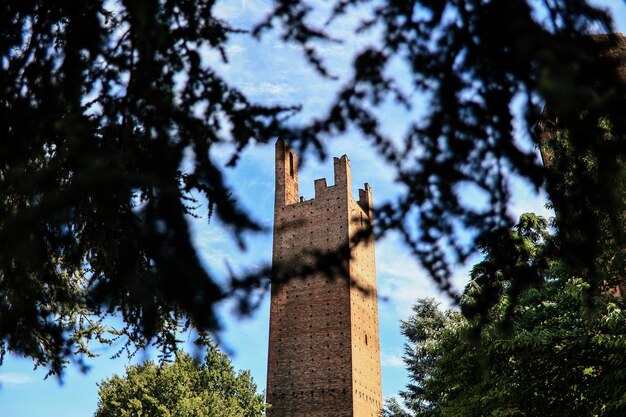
(320, 187)
(286, 165)
(365, 199)
(343, 176)
(287, 180)
(324, 356)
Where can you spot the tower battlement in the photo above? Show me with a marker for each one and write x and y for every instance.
(324, 352)
(287, 181)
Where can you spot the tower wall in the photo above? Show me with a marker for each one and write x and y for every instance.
(366, 378)
(319, 364)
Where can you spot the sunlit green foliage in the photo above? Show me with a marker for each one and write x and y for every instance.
(183, 388)
(547, 354)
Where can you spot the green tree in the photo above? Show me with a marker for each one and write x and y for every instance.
(184, 388)
(393, 409)
(546, 354)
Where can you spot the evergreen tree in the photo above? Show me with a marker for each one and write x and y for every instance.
(547, 354)
(101, 102)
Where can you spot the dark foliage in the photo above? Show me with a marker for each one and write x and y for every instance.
(99, 110)
(472, 63)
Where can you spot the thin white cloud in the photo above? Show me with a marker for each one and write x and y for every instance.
(242, 11)
(390, 359)
(235, 49)
(275, 90)
(14, 379)
(400, 278)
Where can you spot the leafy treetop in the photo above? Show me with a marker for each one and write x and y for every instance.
(184, 388)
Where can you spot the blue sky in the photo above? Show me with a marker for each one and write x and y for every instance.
(270, 72)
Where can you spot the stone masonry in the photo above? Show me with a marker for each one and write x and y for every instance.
(324, 350)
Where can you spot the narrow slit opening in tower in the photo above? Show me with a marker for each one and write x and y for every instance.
(291, 164)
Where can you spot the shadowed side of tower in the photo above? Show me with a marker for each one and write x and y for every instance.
(324, 355)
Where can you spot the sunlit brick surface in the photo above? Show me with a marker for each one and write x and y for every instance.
(324, 354)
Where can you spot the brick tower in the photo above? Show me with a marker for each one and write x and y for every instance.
(324, 350)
